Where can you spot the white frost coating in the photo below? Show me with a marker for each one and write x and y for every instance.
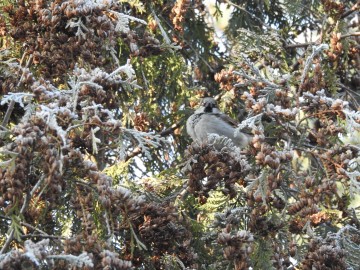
(352, 120)
(353, 175)
(17, 97)
(34, 250)
(127, 69)
(90, 4)
(252, 122)
(124, 192)
(95, 140)
(49, 117)
(352, 117)
(77, 23)
(315, 52)
(122, 24)
(279, 110)
(145, 139)
(256, 71)
(78, 261)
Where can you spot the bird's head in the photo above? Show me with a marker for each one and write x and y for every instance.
(208, 105)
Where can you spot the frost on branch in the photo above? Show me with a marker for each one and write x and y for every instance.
(8, 66)
(220, 143)
(352, 121)
(95, 140)
(224, 145)
(315, 51)
(340, 249)
(99, 79)
(49, 116)
(144, 140)
(81, 260)
(348, 238)
(111, 260)
(81, 28)
(87, 5)
(122, 24)
(18, 98)
(258, 76)
(354, 176)
(126, 69)
(34, 255)
(288, 113)
(337, 106)
(253, 123)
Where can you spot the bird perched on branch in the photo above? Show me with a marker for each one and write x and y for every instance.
(208, 119)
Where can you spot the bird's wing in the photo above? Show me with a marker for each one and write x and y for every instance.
(232, 122)
(226, 119)
(190, 124)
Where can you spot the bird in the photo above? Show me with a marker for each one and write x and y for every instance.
(208, 119)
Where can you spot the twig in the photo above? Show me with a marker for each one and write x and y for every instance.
(351, 93)
(47, 236)
(349, 89)
(250, 14)
(8, 241)
(134, 153)
(12, 103)
(163, 133)
(28, 225)
(316, 51)
(350, 35)
(350, 11)
(32, 192)
(8, 113)
(299, 45)
(171, 129)
(188, 44)
(256, 72)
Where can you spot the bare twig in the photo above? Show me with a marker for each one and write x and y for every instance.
(299, 45)
(350, 35)
(12, 103)
(171, 129)
(350, 11)
(351, 93)
(8, 113)
(47, 236)
(28, 225)
(8, 241)
(250, 14)
(134, 153)
(188, 44)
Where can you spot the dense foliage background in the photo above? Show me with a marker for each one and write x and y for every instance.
(97, 171)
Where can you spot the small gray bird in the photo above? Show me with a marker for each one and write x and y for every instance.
(208, 119)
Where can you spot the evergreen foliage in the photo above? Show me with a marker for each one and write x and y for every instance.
(97, 171)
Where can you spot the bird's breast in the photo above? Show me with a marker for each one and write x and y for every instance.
(211, 123)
